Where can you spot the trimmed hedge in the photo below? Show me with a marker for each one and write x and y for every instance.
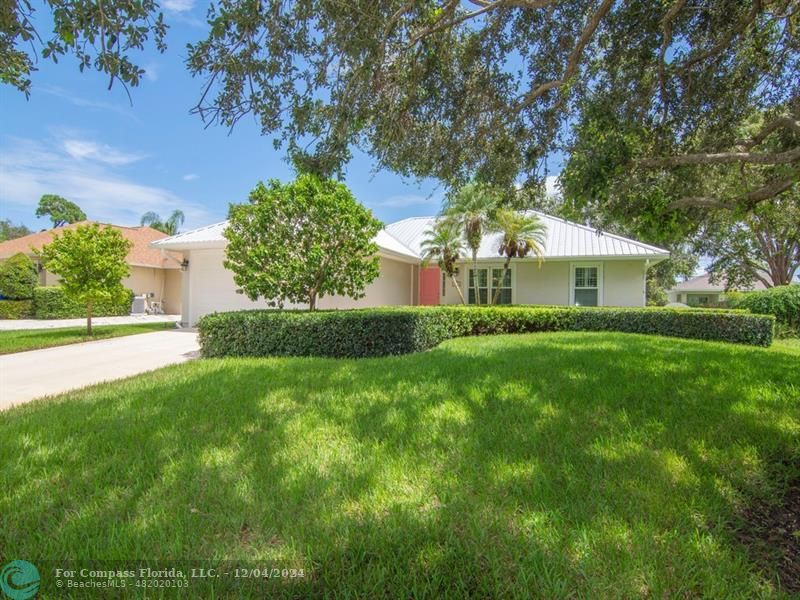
(385, 331)
(50, 302)
(16, 309)
(18, 277)
(783, 302)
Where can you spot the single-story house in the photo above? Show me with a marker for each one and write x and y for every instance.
(699, 291)
(582, 266)
(154, 272)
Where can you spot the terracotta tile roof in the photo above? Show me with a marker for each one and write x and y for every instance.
(141, 254)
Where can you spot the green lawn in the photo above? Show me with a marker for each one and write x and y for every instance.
(589, 465)
(33, 339)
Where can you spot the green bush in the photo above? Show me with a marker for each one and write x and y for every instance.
(783, 302)
(16, 309)
(384, 331)
(51, 303)
(18, 277)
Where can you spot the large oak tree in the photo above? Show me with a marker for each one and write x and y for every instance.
(454, 89)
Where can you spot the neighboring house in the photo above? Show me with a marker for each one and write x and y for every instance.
(153, 271)
(699, 291)
(582, 266)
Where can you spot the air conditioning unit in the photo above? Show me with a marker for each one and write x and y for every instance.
(139, 305)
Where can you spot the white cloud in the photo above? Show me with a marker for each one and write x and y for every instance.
(407, 200)
(151, 71)
(190, 176)
(32, 168)
(124, 110)
(81, 149)
(179, 5)
(552, 186)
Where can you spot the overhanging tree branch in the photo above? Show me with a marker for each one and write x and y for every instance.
(726, 39)
(749, 199)
(485, 7)
(666, 40)
(574, 57)
(775, 124)
(720, 158)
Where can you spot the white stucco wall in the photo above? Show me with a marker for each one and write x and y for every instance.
(209, 287)
(623, 282)
(548, 284)
(172, 291)
(394, 286)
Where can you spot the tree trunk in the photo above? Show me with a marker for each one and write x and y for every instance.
(496, 294)
(454, 279)
(312, 301)
(89, 308)
(475, 277)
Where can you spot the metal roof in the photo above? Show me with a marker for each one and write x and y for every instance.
(404, 238)
(211, 236)
(564, 240)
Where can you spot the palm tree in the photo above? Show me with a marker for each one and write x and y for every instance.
(472, 209)
(443, 244)
(170, 226)
(521, 235)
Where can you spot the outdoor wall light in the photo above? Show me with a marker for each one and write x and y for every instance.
(185, 264)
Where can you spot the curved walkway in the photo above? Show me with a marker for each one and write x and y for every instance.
(25, 376)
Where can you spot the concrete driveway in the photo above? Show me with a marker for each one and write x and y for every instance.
(28, 375)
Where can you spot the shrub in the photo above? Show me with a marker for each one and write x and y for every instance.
(18, 277)
(783, 302)
(51, 303)
(16, 309)
(385, 331)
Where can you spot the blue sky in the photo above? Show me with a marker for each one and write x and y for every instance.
(76, 139)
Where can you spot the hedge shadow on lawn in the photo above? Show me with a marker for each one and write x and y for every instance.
(543, 473)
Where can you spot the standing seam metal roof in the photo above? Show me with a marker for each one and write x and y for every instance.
(564, 240)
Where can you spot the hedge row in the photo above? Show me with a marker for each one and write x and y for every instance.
(16, 309)
(783, 302)
(385, 331)
(51, 303)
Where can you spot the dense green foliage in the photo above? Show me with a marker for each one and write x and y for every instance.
(91, 262)
(51, 302)
(60, 210)
(783, 302)
(386, 331)
(473, 207)
(300, 241)
(18, 277)
(762, 245)
(16, 309)
(454, 90)
(554, 465)
(22, 340)
(99, 35)
(443, 243)
(9, 231)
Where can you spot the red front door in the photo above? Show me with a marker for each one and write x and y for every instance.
(429, 282)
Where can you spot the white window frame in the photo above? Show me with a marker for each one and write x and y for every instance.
(600, 290)
(465, 280)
